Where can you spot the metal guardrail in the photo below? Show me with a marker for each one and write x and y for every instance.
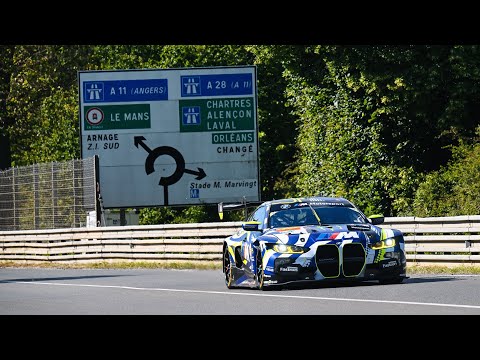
(447, 241)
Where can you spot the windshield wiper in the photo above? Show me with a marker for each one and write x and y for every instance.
(316, 215)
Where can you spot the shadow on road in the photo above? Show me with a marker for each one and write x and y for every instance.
(430, 279)
(326, 284)
(35, 279)
(338, 284)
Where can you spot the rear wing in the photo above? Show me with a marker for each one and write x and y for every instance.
(237, 206)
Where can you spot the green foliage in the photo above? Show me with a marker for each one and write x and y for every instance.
(454, 189)
(340, 148)
(373, 120)
(277, 129)
(58, 132)
(151, 216)
(182, 215)
(42, 102)
(375, 124)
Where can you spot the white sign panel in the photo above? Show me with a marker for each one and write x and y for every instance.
(172, 136)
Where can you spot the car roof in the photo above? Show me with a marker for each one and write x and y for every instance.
(314, 200)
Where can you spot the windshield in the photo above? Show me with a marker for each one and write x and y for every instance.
(286, 215)
(340, 215)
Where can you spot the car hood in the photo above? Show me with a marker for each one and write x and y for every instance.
(309, 234)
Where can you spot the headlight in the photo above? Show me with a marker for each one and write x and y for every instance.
(389, 242)
(289, 249)
(383, 244)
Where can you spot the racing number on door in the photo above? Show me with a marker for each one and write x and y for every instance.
(247, 249)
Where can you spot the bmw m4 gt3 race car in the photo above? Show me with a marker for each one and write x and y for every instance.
(312, 239)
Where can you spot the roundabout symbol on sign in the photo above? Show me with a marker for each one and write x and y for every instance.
(165, 181)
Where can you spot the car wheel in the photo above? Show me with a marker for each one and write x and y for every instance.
(395, 280)
(227, 268)
(260, 273)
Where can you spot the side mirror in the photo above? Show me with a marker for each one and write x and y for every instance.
(251, 226)
(376, 219)
(220, 210)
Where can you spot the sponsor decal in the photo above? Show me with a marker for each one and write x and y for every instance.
(289, 268)
(344, 235)
(389, 264)
(359, 227)
(270, 282)
(301, 204)
(306, 263)
(320, 203)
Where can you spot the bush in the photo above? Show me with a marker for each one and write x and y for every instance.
(454, 189)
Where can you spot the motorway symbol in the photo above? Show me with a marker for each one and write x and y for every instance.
(179, 161)
(191, 86)
(191, 115)
(94, 91)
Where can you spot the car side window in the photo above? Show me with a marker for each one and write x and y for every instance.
(258, 215)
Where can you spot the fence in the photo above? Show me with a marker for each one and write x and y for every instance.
(48, 196)
(446, 241)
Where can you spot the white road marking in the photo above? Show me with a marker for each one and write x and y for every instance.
(249, 294)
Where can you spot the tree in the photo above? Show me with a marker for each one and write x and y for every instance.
(455, 188)
(42, 104)
(6, 59)
(373, 119)
(366, 122)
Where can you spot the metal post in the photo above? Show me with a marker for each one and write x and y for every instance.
(36, 201)
(98, 195)
(54, 195)
(123, 219)
(15, 225)
(74, 195)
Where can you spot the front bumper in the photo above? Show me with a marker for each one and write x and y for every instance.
(348, 266)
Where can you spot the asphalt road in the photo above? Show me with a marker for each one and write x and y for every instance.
(202, 292)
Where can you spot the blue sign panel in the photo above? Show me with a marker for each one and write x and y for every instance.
(125, 90)
(216, 85)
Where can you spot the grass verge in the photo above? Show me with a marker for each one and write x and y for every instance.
(443, 270)
(115, 265)
(411, 269)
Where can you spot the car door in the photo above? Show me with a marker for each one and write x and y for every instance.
(248, 252)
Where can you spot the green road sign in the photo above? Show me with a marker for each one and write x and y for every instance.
(224, 114)
(113, 117)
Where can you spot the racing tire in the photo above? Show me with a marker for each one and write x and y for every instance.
(260, 278)
(394, 280)
(227, 269)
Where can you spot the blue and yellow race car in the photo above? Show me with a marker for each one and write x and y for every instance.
(312, 239)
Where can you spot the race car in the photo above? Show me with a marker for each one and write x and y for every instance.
(310, 240)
